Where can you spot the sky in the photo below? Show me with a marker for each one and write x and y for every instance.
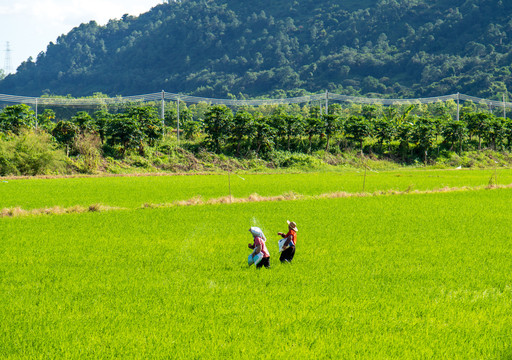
(30, 25)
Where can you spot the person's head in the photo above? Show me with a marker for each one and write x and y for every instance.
(292, 225)
(256, 232)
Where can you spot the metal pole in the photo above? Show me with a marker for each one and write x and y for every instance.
(326, 102)
(504, 108)
(178, 121)
(458, 106)
(163, 112)
(36, 114)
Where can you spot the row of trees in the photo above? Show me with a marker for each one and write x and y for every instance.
(134, 128)
(402, 132)
(393, 132)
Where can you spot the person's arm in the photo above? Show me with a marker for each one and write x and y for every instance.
(288, 240)
(257, 250)
(283, 235)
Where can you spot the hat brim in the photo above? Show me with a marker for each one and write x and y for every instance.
(293, 228)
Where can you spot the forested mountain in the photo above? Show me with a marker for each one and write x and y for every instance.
(221, 48)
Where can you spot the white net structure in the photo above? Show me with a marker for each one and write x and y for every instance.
(154, 97)
(162, 97)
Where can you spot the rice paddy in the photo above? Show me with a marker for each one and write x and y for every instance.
(133, 192)
(410, 276)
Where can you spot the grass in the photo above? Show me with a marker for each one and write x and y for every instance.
(133, 192)
(411, 277)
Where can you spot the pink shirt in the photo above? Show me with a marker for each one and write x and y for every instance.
(259, 241)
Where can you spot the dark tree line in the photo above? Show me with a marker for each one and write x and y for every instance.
(133, 129)
(405, 132)
(390, 133)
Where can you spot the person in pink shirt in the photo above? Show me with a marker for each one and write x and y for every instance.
(259, 246)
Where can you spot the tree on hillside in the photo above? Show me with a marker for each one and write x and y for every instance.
(294, 128)
(65, 133)
(476, 124)
(101, 120)
(494, 132)
(423, 134)
(507, 124)
(124, 130)
(217, 123)
(358, 129)
(331, 127)
(192, 129)
(242, 126)
(455, 132)
(84, 121)
(313, 126)
(148, 122)
(14, 118)
(278, 121)
(385, 131)
(264, 139)
(45, 120)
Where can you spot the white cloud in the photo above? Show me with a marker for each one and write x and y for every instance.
(7, 8)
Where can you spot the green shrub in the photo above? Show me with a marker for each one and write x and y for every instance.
(139, 162)
(30, 153)
(112, 151)
(287, 159)
(89, 157)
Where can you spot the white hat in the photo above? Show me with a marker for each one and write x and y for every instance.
(256, 231)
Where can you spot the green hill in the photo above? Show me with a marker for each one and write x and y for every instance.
(221, 48)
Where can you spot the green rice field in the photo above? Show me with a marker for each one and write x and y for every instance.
(412, 276)
(132, 192)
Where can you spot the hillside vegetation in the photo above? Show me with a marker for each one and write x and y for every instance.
(246, 49)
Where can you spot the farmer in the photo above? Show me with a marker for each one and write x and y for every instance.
(289, 245)
(259, 246)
